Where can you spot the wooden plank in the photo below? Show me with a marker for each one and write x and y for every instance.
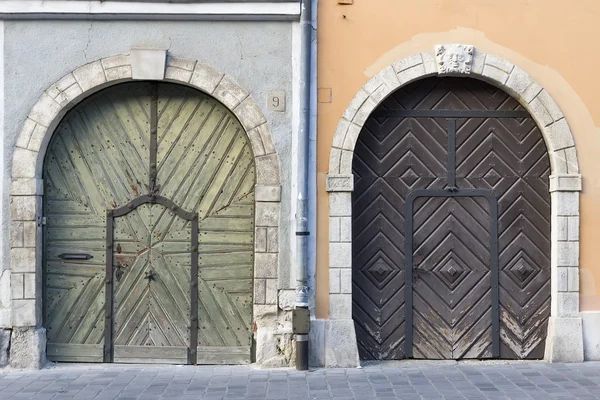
(223, 355)
(150, 354)
(70, 352)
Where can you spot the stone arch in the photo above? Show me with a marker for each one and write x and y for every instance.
(26, 188)
(564, 341)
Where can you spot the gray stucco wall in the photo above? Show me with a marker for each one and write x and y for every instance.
(257, 54)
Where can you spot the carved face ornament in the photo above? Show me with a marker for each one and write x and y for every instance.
(454, 58)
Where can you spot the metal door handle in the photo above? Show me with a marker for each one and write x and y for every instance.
(119, 273)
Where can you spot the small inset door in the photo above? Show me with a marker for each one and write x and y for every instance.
(152, 257)
(452, 300)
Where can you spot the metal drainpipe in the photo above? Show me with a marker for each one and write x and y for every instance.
(301, 315)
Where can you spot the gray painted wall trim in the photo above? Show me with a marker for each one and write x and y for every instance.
(244, 11)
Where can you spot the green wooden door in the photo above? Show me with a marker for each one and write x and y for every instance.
(133, 286)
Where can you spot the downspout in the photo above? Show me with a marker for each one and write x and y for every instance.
(301, 315)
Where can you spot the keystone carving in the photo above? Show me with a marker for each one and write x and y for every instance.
(454, 58)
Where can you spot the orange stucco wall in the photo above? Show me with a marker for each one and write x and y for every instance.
(555, 41)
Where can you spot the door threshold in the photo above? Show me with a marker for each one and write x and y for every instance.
(442, 363)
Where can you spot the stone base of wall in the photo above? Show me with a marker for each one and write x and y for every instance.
(28, 348)
(591, 335)
(4, 346)
(332, 344)
(565, 340)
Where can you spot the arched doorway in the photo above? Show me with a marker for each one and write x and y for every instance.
(149, 235)
(451, 179)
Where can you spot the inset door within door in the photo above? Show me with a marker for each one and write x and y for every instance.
(149, 240)
(451, 226)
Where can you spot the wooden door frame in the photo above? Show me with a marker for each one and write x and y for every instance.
(564, 341)
(26, 189)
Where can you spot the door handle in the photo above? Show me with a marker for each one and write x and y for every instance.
(119, 272)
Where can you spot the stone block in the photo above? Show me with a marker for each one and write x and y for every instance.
(287, 299)
(24, 313)
(334, 229)
(22, 259)
(539, 112)
(148, 64)
(340, 133)
(380, 94)
(16, 234)
(558, 162)
(494, 74)
(477, 63)
(256, 141)
(429, 62)
(372, 84)
(37, 138)
(4, 346)
(356, 126)
(267, 170)
(266, 265)
(249, 114)
(111, 62)
(46, 109)
(565, 203)
(206, 78)
(346, 280)
(340, 204)
(29, 233)
(267, 214)
(571, 160)
(267, 193)
(118, 73)
(316, 343)
(267, 140)
(550, 105)
(16, 286)
(591, 335)
(340, 306)
(355, 104)
(230, 93)
(91, 75)
(562, 228)
(29, 286)
(345, 229)
(273, 350)
(334, 160)
(271, 291)
(260, 291)
(573, 228)
(341, 349)
(260, 240)
(359, 120)
(573, 279)
(26, 186)
(28, 348)
(272, 240)
(567, 304)
(560, 135)
(185, 64)
(499, 63)
(564, 342)
(26, 132)
(339, 183)
(24, 163)
(340, 255)
(389, 77)
(567, 254)
(562, 277)
(346, 162)
(407, 63)
(72, 92)
(411, 74)
(334, 280)
(565, 183)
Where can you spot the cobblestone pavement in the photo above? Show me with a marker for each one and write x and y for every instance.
(397, 380)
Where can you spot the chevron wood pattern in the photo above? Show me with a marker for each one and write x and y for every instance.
(395, 156)
(99, 159)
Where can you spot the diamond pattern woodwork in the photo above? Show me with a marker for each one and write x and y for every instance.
(395, 156)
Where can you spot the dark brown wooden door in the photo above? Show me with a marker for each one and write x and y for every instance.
(452, 300)
(504, 155)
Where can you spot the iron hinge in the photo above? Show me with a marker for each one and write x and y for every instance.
(41, 221)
